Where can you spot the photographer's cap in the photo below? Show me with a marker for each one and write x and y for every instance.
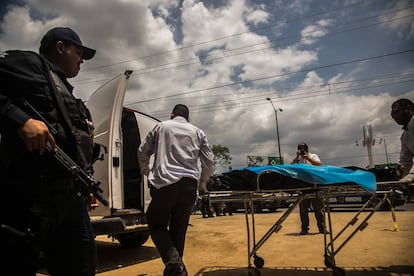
(65, 34)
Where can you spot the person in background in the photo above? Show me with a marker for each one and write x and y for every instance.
(225, 207)
(220, 208)
(305, 157)
(402, 112)
(177, 147)
(44, 209)
(206, 208)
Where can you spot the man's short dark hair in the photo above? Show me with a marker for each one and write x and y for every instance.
(303, 146)
(181, 110)
(402, 104)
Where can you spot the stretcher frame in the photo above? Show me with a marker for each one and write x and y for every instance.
(376, 200)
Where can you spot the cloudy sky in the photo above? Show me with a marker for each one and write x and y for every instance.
(331, 66)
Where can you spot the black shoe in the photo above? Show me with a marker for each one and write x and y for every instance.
(322, 231)
(175, 270)
(303, 232)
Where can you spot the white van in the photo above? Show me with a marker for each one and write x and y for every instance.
(121, 131)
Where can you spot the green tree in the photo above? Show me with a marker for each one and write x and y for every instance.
(222, 158)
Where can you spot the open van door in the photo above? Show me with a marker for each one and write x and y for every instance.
(120, 131)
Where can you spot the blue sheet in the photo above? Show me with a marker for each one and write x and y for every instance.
(322, 175)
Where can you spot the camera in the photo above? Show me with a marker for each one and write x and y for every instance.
(302, 150)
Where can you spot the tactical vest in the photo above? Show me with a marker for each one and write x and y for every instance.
(80, 119)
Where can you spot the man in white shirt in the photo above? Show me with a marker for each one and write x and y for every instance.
(177, 146)
(304, 156)
(402, 112)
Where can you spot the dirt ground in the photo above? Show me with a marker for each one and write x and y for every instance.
(218, 246)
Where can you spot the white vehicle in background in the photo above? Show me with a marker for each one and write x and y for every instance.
(121, 131)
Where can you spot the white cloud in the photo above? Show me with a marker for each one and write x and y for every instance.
(140, 35)
(20, 31)
(201, 24)
(257, 16)
(401, 21)
(311, 33)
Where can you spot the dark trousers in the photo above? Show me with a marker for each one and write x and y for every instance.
(70, 246)
(206, 208)
(168, 215)
(60, 225)
(317, 206)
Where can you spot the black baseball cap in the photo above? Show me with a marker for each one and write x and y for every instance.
(65, 34)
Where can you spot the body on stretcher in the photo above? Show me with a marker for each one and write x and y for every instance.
(328, 182)
(261, 201)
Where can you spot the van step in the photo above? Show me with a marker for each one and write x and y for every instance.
(125, 212)
(107, 225)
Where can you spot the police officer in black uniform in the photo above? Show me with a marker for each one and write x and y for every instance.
(43, 210)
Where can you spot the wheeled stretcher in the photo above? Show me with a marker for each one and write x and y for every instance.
(296, 182)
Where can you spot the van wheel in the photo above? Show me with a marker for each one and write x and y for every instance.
(133, 239)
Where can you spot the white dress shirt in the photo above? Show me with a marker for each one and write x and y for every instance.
(177, 146)
(407, 147)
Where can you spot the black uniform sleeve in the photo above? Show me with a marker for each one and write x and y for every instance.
(10, 114)
(22, 77)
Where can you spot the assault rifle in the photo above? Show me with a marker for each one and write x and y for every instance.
(24, 237)
(89, 184)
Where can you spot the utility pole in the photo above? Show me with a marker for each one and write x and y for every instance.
(368, 142)
(277, 128)
(386, 152)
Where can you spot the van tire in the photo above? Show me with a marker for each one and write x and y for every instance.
(133, 239)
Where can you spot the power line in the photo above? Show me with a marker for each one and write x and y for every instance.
(211, 58)
(231, 36)
(334, 88)
(230, 104)
(277, 75)
(395, 77)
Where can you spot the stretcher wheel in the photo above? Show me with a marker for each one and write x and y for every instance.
(328, 261)
(337, 271)
(258, 261)
(254, 272)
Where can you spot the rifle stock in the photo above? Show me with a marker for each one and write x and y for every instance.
(89, 184)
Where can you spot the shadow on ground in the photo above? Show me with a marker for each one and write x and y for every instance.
(112, 256)
(306, 271)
